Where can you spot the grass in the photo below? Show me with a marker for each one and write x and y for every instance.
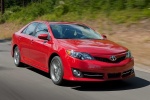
(129, 16)
(7, 29)
(118, 11)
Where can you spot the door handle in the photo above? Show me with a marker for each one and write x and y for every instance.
(45, 41)
(32, 41)
(19, 38)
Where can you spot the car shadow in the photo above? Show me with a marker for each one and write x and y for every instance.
(37, 71)
(5, 40)
(132, 83)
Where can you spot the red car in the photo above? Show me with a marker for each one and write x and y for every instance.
(71, 51)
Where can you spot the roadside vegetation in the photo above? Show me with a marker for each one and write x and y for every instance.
(118, 11)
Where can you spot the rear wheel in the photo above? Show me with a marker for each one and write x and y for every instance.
(56, 70)
(17, 57)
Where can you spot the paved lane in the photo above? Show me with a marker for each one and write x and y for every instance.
(31, 84)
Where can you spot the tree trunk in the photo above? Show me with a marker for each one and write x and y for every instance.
(2, 6)
(23, 3)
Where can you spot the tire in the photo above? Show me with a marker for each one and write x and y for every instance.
(17, 57)
(56, 71)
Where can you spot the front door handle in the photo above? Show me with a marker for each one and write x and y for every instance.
(45, 41)
(19, 38)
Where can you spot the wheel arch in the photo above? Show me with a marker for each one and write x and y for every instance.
(50, 58)
(13, 49)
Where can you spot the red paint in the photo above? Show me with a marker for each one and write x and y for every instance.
(36, 52)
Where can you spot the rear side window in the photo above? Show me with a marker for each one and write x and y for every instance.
(29, 30)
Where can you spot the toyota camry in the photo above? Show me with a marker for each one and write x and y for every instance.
(71, 51)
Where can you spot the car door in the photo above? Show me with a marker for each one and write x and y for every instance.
(25, 42)
(40, 48)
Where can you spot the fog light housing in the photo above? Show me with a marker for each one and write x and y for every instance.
(77, 73)
(132, 70)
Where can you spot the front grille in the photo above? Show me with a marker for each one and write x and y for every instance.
(109, 61)
(127, 73)
(93, 75)
(114, 75)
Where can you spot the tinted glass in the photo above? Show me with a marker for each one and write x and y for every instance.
(41, 29)
(74, 31)
(24, 31)
(30, 29)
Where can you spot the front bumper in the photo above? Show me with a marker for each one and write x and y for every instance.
(93, 71)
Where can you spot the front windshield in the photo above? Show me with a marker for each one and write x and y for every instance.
(73, 31)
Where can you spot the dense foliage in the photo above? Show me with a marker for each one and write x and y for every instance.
(119, 11)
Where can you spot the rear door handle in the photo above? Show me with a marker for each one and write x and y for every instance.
(32, 41)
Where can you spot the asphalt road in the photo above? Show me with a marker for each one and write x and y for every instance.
(28, 83)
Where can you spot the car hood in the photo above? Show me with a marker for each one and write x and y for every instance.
(92, 46)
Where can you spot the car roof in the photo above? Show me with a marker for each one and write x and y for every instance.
(62, 22)
(59, 22)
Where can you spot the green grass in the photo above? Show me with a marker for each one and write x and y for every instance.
(118, 11)
(129, 16)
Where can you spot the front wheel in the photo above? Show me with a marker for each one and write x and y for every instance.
(56, 70)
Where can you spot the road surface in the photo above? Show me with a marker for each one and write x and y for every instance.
(28, 83)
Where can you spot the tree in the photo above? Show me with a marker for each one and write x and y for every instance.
(2, 6)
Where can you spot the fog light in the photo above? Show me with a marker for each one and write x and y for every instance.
(132, 70)
(76, 73)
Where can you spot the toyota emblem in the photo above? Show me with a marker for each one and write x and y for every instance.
(113, 58)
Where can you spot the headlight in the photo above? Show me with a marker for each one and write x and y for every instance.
(79, 55)
(128, 54)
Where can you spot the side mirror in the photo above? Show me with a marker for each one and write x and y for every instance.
(104, 36)
(43, 36)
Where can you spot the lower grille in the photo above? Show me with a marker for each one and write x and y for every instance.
(93, 75)
(114, 75)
